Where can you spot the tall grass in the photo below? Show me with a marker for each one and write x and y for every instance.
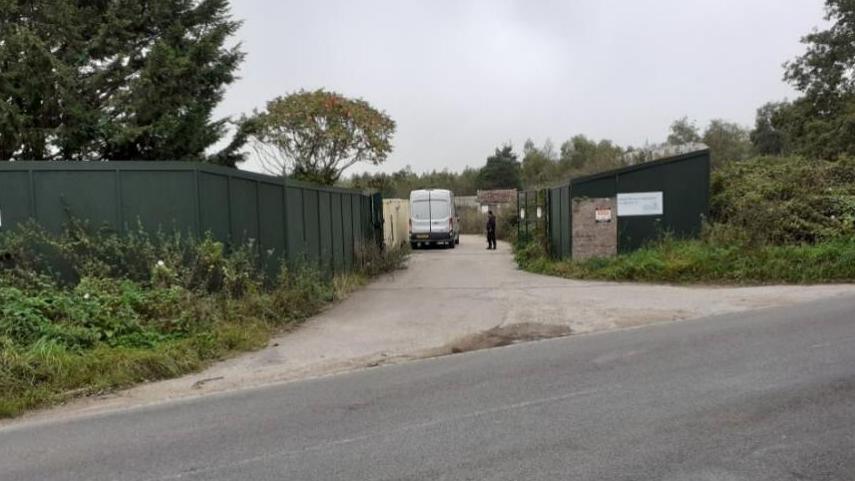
(86, 312)
(704, 261)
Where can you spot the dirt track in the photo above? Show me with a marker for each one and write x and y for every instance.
(452, 300)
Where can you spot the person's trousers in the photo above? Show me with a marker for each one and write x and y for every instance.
(491, 239)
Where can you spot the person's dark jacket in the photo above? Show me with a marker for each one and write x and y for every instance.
(491, 223)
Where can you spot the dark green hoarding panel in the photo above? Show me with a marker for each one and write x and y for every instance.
(214, 205)
(366, 215)
(281, 217)
(325, 222)
(356, 216)
(170, 200)
(347, 225)
(272, 214)
(15, 199)
(634, 231)
(595, 188)
(337, 231)
(294, 215)
(685, 197)
(59, 195)
(313, 224)
(244, 202)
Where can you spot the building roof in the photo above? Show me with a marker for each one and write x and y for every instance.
(641, 166)
(502, 196)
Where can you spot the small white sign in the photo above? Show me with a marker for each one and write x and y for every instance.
(539, 212)
(603, 215)
(640, 203)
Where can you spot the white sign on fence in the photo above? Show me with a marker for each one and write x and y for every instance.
(640, 203)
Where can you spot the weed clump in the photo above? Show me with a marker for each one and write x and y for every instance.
(88, 311)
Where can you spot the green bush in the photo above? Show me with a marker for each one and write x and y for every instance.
(784, 200)
(88, 310)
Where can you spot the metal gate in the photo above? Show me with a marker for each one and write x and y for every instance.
(532, 215)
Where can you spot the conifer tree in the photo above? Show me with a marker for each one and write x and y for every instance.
(115, 79)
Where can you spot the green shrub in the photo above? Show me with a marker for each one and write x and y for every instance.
(781, 200)
(89, 310)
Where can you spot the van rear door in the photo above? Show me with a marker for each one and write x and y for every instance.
(440, 212)
(420, 216)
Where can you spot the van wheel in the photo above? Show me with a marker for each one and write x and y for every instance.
(452, 244)
(413, 245)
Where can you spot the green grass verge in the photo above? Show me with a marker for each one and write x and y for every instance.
(701, 261)
(85, 313)
(48, 371)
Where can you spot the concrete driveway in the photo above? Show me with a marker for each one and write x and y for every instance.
(448, 295)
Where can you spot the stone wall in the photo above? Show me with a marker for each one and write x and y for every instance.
(594, 230)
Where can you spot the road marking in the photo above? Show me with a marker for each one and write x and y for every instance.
(344, 441)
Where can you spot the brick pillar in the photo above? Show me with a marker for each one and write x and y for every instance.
(594, 229)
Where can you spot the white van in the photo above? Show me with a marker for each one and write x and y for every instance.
(433, 218)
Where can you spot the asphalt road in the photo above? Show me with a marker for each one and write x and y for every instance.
(768, 395)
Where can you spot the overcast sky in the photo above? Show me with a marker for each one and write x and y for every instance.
(461, 77)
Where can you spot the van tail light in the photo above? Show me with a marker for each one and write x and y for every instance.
(450, 224)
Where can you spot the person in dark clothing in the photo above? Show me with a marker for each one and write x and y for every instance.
(491, 230)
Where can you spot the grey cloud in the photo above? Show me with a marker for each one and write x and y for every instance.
(462, 77)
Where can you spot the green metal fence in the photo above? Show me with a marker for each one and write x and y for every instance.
(683, 182)
(532, 214)
(284, 218)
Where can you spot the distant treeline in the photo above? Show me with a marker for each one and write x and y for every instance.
(544, 165)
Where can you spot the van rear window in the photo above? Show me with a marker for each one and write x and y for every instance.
(427, 210)
(439, 209)
(420, 210)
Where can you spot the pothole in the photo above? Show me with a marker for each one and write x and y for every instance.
(504, 336)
